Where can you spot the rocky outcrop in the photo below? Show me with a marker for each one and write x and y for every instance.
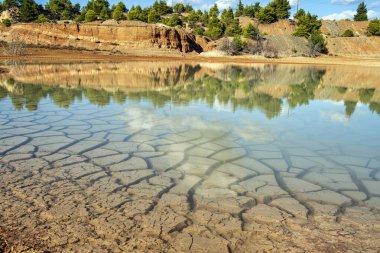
(102, 37)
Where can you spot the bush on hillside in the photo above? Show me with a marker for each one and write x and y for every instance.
(348, 33)
(198, 31)
(237, 43)
(374, 27)
(153, 17)
(6, 22)
(267, 15)
(317, 43)
(90, 16)
(215, 28)
(118, 13)
(306, 25)
(233, 28)
(250, 32)
(173, 21)
(42, 19)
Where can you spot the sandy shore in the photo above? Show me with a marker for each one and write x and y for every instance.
(65, 56)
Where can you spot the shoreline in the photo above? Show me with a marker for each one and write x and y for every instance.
(44, 55)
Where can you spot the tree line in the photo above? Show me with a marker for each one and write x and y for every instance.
(214, 23)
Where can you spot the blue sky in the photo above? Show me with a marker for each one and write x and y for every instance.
(328, 9)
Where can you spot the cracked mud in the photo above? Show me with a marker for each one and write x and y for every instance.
(140, 179)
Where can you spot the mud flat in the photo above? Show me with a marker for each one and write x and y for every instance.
(44, 55)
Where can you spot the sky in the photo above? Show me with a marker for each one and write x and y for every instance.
(326, 9)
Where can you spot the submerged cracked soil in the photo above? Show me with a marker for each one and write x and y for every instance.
(78, 182)
(134, 178)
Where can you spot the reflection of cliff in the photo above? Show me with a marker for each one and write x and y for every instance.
(250, 87)
(110, 76)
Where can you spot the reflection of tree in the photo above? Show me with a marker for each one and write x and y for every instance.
(119, 97)
(375, 107)
(300, 94)
(341, 90)
(212, 90)
(350, 107)
(25, 95)
(98, 97)
(64, 97)
(3, 93)
(232, 86)
(366, 95)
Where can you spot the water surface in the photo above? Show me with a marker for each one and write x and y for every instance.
(170, 157)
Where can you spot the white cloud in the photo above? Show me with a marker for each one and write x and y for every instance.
(344, 1)
(373, 14)
(335, 116)
(222, 4)
(225, 4)
(293, 2)
(348, 14)
(341, 15)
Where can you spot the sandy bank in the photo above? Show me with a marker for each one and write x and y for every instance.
(65, 55)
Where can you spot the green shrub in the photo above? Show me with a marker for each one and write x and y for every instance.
(317, 43)
(215, 28)
(374, 27)
(105, 14)
(174, 20)
(6, 22)
(306, 25)
(198, 31)
(237, 43)
(118, 13)
(233, 28)
(250, 32)
(267, 15)
(348, 33)
(42, 19)
(153, 17)
(90, 16)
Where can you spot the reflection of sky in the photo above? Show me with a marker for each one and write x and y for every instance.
(200, 118)
(321, 121)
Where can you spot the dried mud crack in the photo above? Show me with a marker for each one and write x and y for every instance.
(103, 183)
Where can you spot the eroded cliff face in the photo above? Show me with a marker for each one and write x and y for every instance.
(102, 37)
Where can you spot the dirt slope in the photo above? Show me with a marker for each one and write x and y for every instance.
(102, 37)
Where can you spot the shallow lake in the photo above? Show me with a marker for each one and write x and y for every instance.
(179, 157)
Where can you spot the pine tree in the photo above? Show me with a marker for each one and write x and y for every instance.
(188, 8)
(179, 8)
(282, 9)
(240, 9)
(300, 13)
(267, 14)
(90, 16)
(193, 19)
(9, 4)
(214, 11)
(28, 11)
(153, 17)
(65, 15)
(250, 32)
(361, 13)
(104, 13)
(227, 16)
(306, 25)
(118, 13)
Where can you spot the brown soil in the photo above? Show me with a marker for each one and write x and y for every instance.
(34, 55)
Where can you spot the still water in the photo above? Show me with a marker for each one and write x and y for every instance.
(171, 157)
